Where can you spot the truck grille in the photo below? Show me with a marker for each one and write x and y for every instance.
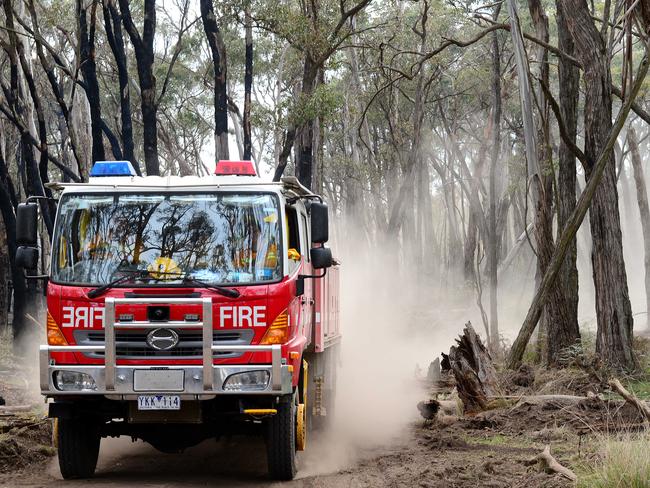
(132, 344)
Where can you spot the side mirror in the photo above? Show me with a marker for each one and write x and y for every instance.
(27, 257)
(27, 224)
(321, 257)
(319, 222)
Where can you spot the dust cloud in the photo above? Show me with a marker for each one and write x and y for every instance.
(391, 328)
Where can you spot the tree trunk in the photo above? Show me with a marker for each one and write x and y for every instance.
(86, 39)
(613, 308)
(642, 199)
(305, 133)
(144, 55)
(564, 334)
(493, 257)
(554, 337)
(248, 83)
(218, 51)
(113, 27)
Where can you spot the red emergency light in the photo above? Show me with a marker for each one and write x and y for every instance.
(239, 168)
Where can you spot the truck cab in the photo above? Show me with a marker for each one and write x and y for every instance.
(184, 308)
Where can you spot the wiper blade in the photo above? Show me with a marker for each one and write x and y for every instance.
(227, 292)
(131, 274)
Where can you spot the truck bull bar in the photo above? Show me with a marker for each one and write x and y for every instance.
(110, 372)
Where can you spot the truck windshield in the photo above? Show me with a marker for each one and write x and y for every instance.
(224, 238)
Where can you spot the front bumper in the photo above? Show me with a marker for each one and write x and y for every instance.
(199, 382)
(193, 387)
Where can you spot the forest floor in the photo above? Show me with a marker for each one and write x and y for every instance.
(568, 410)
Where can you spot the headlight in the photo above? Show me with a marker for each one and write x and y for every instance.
(247, 381)
(73, 381)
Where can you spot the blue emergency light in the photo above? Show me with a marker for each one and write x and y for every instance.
(112, 168)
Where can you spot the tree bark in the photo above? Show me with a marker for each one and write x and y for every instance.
(554, 337)
(644, 211)
(144, 55)
(113, 27)
(471, 364)
(248, 83)
(613, 308)
(86, 40)
(220, 71)
(564, 334)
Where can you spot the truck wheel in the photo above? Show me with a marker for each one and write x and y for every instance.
(78, 446)
(281, 441)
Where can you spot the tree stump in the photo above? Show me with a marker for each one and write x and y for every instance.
(473, 370)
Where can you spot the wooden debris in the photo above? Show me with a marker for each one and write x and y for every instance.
(642, 407)
(553, 465)
(473, 370)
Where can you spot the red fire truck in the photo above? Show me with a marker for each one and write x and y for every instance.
(184, 308)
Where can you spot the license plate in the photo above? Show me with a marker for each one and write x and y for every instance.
(159, 402)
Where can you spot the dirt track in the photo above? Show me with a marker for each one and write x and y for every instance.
(430, 458)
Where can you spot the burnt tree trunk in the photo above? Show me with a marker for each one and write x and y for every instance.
(613, 308)
(471, 364)
(33, 182)
(113, 27)
(144, 55)
(305, 133)
(218, 51)
(86, 39)
(248, 84)
(644, 211)
(8, 201)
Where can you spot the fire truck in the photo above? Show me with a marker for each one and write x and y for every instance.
(181, 309)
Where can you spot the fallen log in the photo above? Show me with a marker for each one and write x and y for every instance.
(553, 465)
(472, 367)
(642, 407)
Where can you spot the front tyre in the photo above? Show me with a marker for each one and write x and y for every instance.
(281, 441)
(78, 446)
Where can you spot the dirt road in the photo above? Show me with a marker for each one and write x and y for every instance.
(427, 458)
(237, 462)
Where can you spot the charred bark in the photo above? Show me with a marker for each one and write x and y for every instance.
(86, 39)
(248, 84)
(144, 55)
(113, 27)
(218, 51)
(471, 364)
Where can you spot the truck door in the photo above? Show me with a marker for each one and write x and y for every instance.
(307, 300)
